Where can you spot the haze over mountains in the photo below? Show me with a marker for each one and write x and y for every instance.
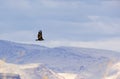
(82, 61)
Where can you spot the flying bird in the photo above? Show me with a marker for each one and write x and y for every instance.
(40, 38)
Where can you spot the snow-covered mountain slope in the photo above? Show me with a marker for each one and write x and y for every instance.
(29, 71)
(112, 72)
(59, 59)
(68, 75)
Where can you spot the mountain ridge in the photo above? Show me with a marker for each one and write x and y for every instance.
(26, 71)
(60, 59)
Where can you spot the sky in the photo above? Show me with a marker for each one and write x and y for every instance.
(79, 23)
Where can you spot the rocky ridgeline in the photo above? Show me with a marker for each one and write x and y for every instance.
(9, 76)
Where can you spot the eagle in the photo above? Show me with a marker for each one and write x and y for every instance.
(40, 38)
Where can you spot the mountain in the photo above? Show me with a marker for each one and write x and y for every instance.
(113, 72)
(9, 76)
(83, 61)
(27, 71)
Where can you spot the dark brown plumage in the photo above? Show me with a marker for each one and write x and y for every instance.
(40, 38)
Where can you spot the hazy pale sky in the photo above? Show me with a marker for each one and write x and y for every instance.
(81, 23)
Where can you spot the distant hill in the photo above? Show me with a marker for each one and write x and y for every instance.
(59, 59)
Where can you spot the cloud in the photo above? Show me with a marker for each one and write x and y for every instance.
(19, 36)
(13, 4)
(105, 24)
(99, 29)
(111, 4)
(73, 20)
(54, 9)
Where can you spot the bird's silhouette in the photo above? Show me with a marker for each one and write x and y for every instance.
(40, 37)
